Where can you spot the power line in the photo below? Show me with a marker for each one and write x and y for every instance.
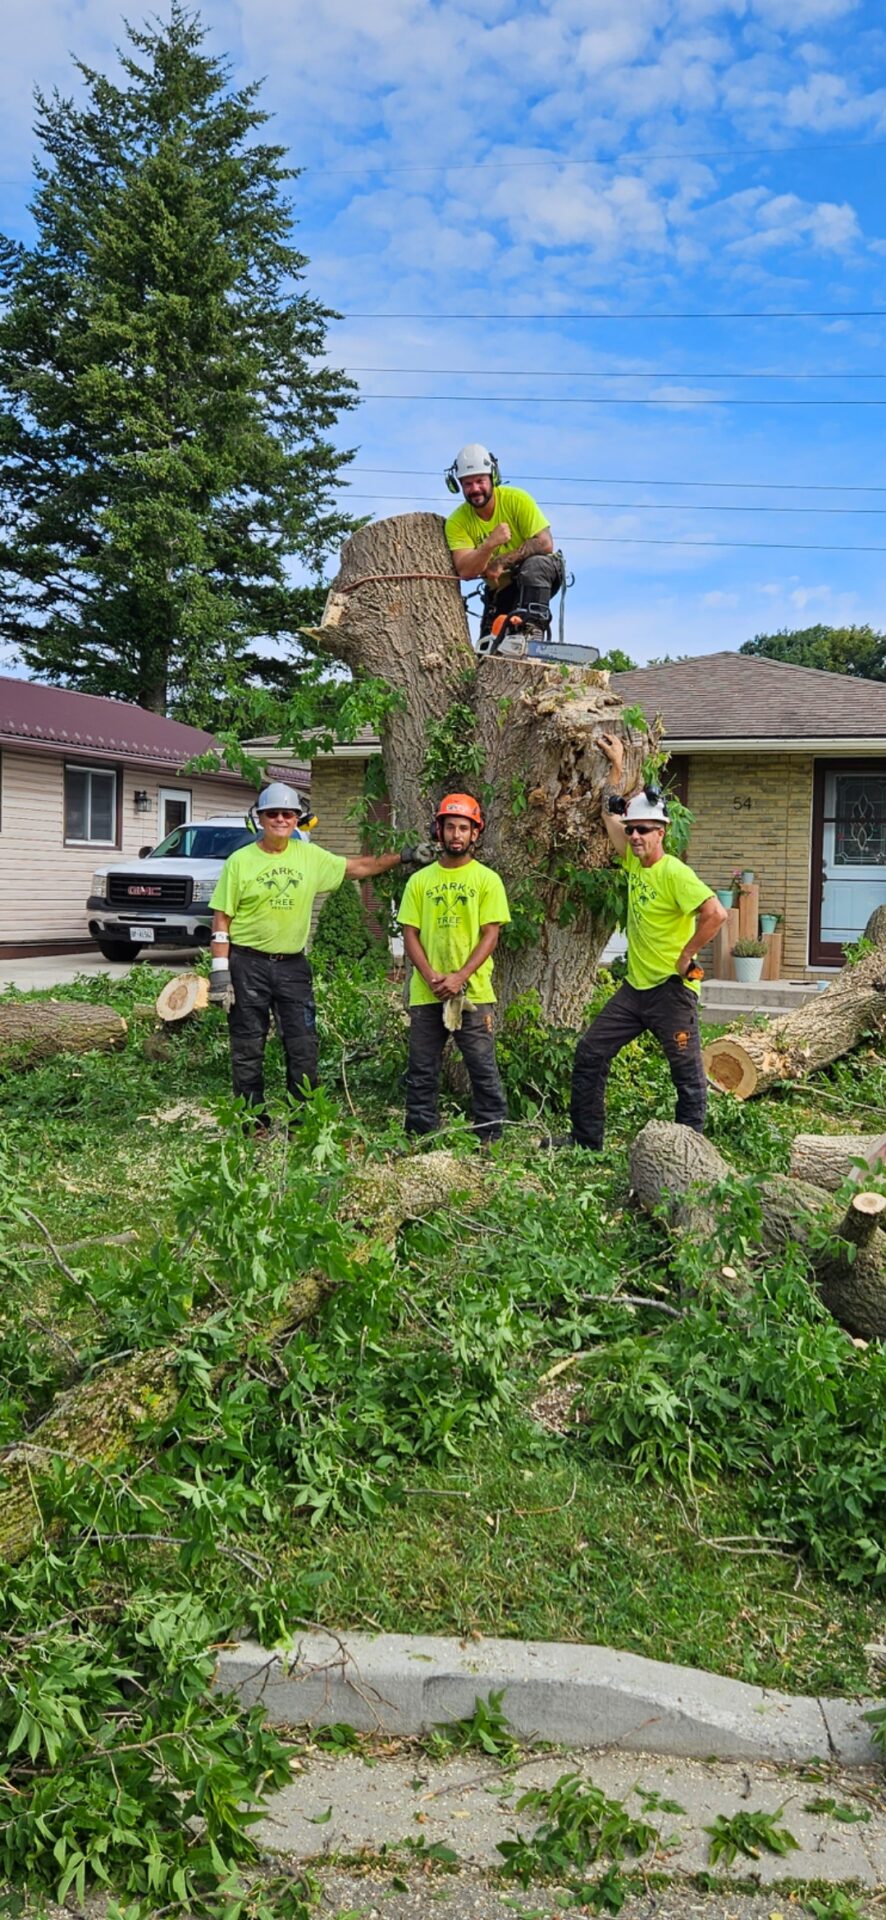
(638, 506)
(641, 540)
(616, 373)
(609, 480)
(608, 400)
(632, 157)
(569, 319)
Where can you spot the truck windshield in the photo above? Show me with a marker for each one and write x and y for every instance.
(206, 841)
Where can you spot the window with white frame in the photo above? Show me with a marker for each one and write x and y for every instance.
(90, 806)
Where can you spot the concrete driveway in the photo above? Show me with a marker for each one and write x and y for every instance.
(56, 969)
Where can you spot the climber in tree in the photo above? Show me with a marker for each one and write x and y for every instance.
(499, 535)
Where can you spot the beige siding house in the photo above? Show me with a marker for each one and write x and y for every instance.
(84, 781)
(784, 769)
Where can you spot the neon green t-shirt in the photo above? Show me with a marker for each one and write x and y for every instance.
(662, 904)
(448, 906)
(465, 528)
(270, 895)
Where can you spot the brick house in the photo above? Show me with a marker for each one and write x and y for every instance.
(84, 779)
(784, 769)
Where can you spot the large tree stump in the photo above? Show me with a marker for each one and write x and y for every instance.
(35, 1030)
(828, 1026)
(97, 1421)
(521, 730)
(675, 1169)
(827, 1159)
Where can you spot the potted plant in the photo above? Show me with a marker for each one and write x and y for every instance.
(769, 922)
(746, 876)
(748, 956)
(726, 896)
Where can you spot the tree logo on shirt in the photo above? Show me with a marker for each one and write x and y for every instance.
(280, 883)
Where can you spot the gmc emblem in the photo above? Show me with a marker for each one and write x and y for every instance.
(144, 893)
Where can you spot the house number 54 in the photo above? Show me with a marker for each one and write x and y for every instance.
(741, 803)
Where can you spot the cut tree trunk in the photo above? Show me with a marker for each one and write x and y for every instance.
(828, 1026)
(35, 1030)
(673, 1167)
(96, 1422)
(522, 731)
(826, 1159)
(188, 993)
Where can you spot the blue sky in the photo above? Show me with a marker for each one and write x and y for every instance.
(468, 168)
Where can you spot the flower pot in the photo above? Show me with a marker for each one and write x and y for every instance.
(724, 895)
(768, 922)
(747, 876)
(748, 968)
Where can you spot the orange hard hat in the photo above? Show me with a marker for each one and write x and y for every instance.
(463, 804)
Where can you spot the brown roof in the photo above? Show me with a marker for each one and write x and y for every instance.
(56, 720)
(737, 696)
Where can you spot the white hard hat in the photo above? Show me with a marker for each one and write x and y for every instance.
(473, 459)
(279, 795)
(642, 808)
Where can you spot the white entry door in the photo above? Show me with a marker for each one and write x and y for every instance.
(173, 808)
(853, 850)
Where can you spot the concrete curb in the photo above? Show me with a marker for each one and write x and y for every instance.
(573, 1695)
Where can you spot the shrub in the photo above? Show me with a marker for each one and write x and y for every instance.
(344, 932)
(749, 949)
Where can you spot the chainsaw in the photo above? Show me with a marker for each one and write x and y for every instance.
(516, 636)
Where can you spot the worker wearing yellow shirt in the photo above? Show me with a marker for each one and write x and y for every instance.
(499, 535)
(451, 914)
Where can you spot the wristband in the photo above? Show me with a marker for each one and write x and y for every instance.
(222, 936)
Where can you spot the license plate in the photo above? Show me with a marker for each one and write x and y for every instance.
(141, 933)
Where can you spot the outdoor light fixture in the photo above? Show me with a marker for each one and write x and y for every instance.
(141, 800)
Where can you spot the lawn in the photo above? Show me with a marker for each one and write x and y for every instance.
(703, 1484)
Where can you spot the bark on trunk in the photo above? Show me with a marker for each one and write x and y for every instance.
(826, 1159)
(529, 742)
(34, 1030)
(823, 1030)
(96, 1422)
(672, 1166)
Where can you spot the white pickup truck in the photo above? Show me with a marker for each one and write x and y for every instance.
(162, 897)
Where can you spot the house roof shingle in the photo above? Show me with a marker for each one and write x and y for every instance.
(58, 720)
(738, 696)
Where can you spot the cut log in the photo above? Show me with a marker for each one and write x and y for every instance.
(35, 1030)
(673, 1169)
(828, 1026)
(97, 1421)
(856, 1294)
(826, 1159)
(188, 993)
(520, 733)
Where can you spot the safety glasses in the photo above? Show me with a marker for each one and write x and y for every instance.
(634, 828)
(278, 813)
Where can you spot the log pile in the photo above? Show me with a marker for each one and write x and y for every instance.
(747, 1062)
(675, 1169)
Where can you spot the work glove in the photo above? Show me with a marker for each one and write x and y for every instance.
(221, 992)
(422, 855)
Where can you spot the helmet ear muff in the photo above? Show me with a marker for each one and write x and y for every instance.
(452, 485)
(495, 475)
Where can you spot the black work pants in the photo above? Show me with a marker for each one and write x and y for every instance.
(475, 1040)
(266, 984)
(670, 1011)
(531, 588)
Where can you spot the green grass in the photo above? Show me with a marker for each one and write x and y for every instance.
(508, 1530)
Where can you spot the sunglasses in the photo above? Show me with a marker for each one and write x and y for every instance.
(279, 813)
(633, 828)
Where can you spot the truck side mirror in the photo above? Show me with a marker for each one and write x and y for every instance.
(144, 851)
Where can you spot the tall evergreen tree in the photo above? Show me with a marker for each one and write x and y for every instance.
(163, 406)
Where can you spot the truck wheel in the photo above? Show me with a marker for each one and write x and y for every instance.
(115, 949)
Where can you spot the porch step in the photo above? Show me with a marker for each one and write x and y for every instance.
(723, 1001)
